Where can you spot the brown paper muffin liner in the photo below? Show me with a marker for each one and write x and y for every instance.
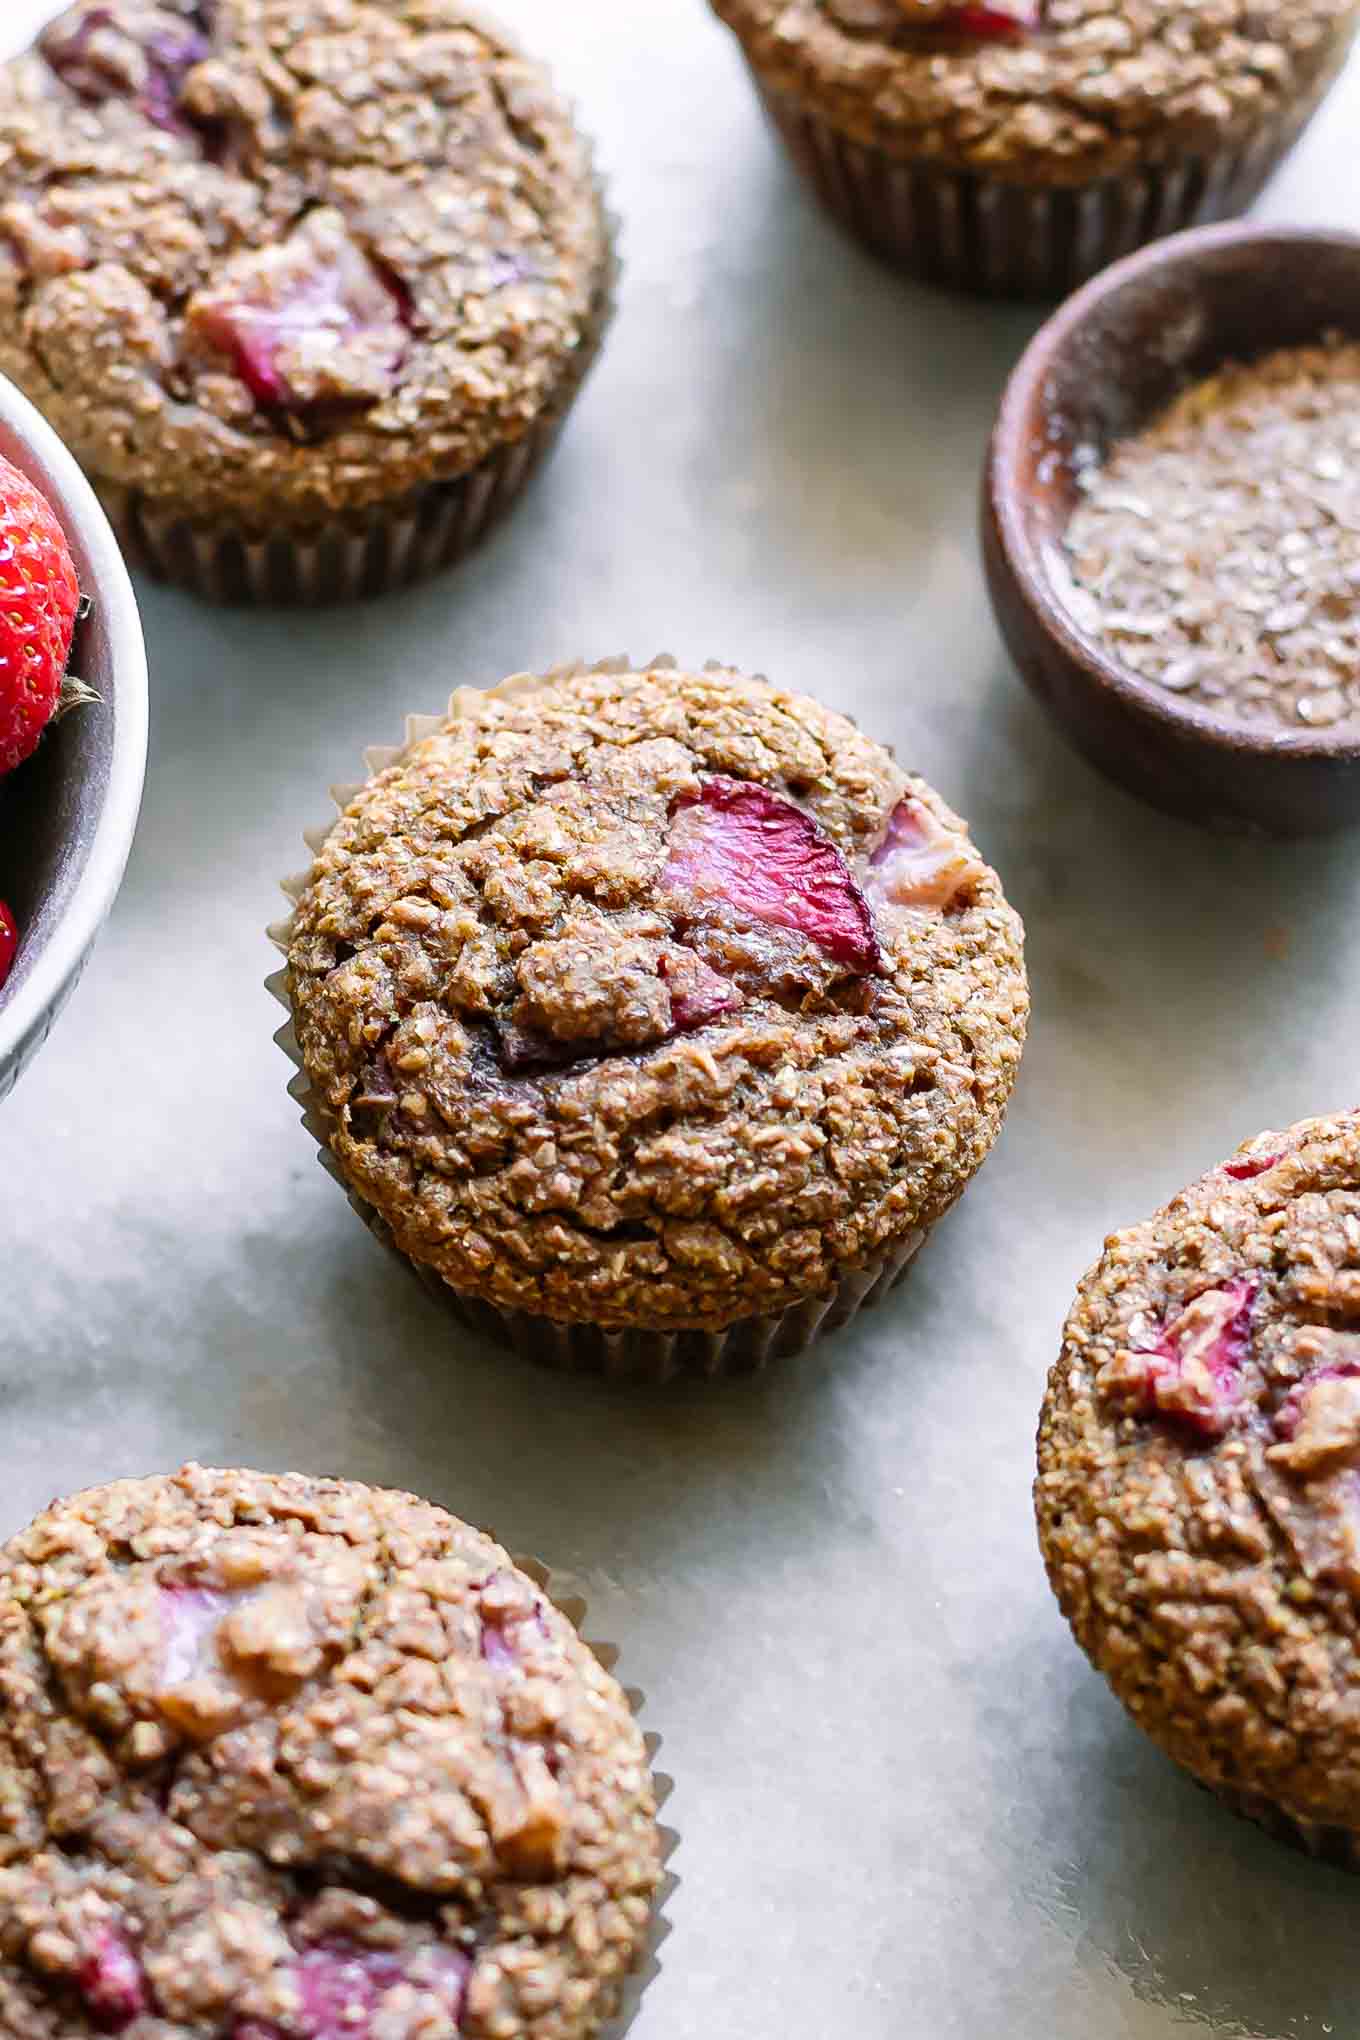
(1339, 1846)
(363, 553)
(647, 1965)
(980, 233)
(635, 1353)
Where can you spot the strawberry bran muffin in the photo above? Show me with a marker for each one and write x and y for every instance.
(1198, 1495)
(292, 1759)
(1021, 146)
(307, 285)
(655, 1016)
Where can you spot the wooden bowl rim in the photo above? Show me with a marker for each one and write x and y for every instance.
(1010, 503)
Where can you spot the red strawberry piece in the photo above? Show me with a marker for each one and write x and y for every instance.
(1006, 22)
(1290, 1414)
(505, 1623)
(107, 54)
(996, 24)
(112, 1982)
(9, 942)
(1249, 1166)
(190, 1618)
(698, 993)
(736, 844)
(343, 1986)
(39, 597)
(310, 323)
(908, 829)
(170, 59)
(496, 1648)
(1192, 1374)
(920, 863)
(504, 270)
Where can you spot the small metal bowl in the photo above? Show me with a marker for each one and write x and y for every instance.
(1106, 364)
(68, 815)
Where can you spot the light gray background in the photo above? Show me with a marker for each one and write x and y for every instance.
(907, 1806)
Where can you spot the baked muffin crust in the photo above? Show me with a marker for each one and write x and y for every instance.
(1094, 90)
(277, 259)
(1198, 1495)
(654, 999)
(292, 1759)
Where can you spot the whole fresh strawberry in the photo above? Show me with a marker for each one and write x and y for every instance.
(39, 597)
(9, 942)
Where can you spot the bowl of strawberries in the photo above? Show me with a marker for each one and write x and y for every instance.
(73, 723)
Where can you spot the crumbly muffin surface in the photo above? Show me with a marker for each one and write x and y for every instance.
(654, 999)
(1198, 1495)
(293, 1759)
(1091, 90)
(283, 258)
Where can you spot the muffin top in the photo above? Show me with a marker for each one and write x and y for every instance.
(291, 1759)
(654, 998)
(1199, 1470)
(1053, 90)
(287, 257)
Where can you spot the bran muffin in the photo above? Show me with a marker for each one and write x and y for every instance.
(294, 1759)
(1198, 1495)
(1019, 147)
(655, 1016)
(307, 285)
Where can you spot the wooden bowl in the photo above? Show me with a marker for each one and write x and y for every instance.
(1107, 362)
(67, 816)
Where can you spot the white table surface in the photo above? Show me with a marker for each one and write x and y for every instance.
(908, 1807)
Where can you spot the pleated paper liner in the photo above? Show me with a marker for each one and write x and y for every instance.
(647, 1965)
(1004, 239)
(360, 554)
(633, 1353)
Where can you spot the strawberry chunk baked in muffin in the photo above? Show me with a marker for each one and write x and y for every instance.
(656, 1016)
(292, 1759)
(1198, 1494)
(307, 285)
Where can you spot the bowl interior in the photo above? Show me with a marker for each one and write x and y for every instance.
(1121, 350)
(68, 814)
(50, 808)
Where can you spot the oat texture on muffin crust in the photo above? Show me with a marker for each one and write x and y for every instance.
(1090, 90)
(653, 998)
(282, 259)
(1198, 1494)
(296, 1759)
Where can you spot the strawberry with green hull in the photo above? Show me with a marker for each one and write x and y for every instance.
(39, 602)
